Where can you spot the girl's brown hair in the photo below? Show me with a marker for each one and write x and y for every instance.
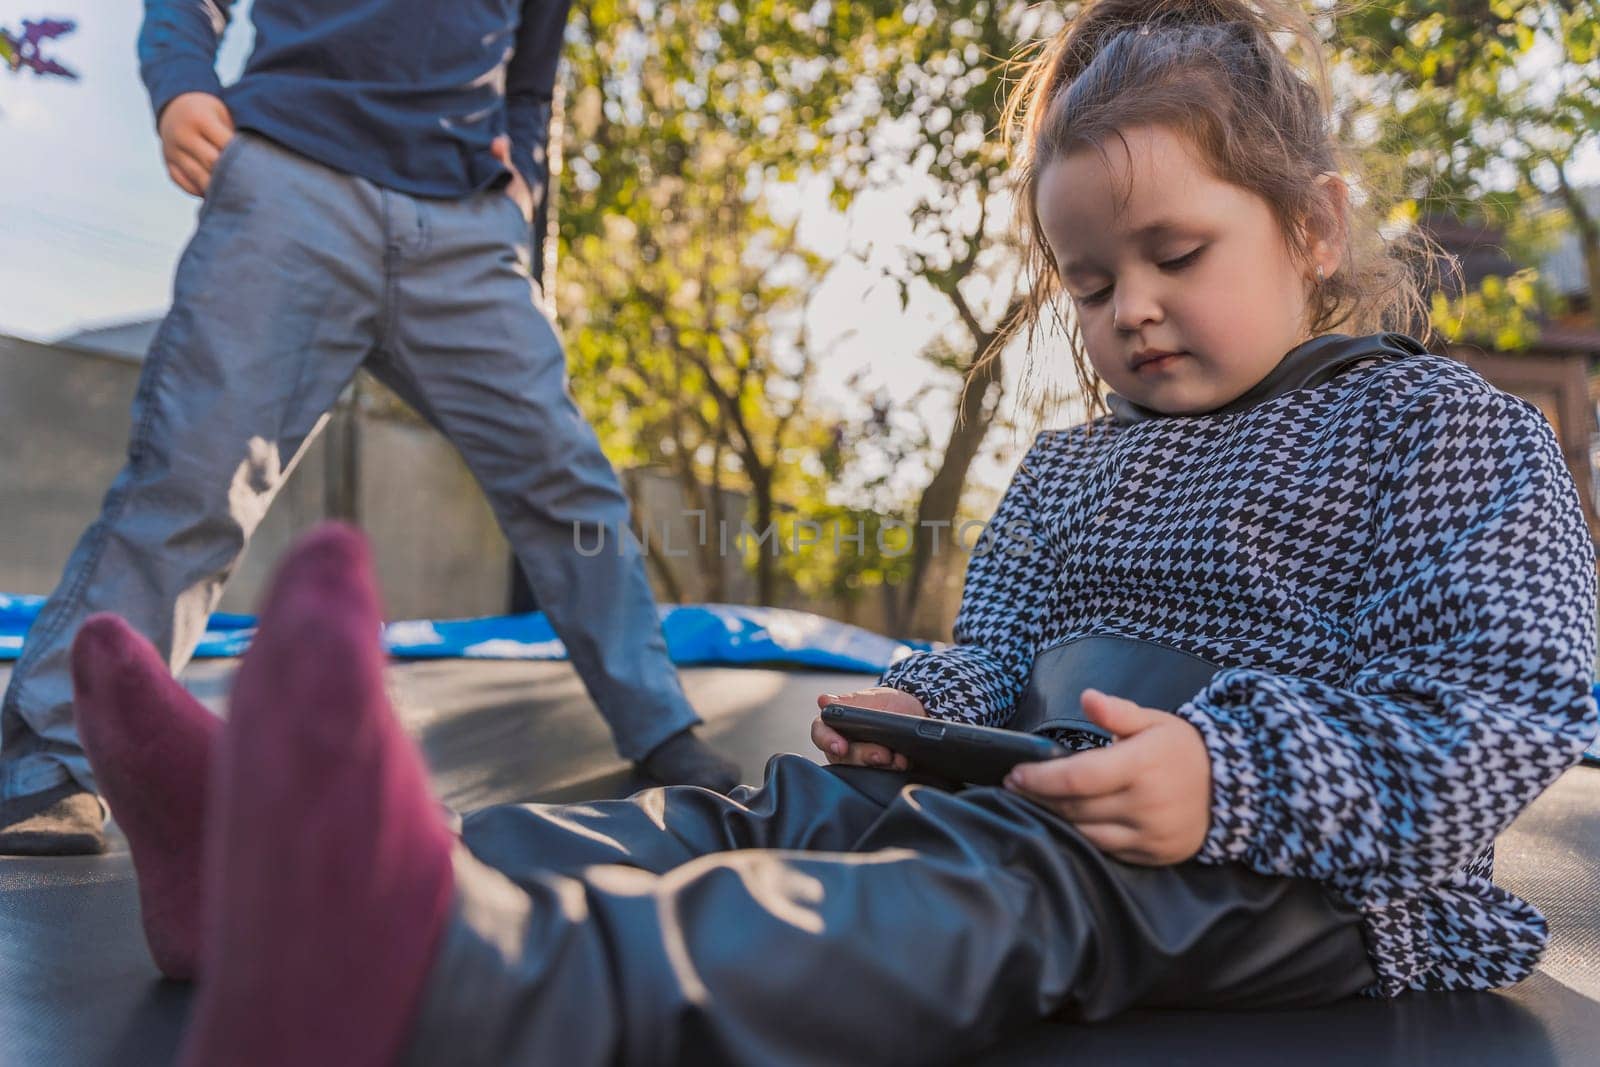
(1259, 115)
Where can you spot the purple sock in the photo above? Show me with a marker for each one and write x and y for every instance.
(151, 745)
(328, 872)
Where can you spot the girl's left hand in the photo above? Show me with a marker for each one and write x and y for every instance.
(1145, 799)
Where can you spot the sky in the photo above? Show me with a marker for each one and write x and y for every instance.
(94, 225)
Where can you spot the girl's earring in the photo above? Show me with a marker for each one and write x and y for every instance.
(1320, 278)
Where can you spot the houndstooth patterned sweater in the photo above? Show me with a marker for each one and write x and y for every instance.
(1393, 570)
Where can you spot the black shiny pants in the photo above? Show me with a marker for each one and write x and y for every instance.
(839, 916)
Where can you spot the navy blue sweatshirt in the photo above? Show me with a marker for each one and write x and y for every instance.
(405, 93)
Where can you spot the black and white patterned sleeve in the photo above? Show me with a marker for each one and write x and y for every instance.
(1010, 580)
(1469, 684)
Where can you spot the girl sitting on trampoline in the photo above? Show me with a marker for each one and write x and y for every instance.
(1382, 556)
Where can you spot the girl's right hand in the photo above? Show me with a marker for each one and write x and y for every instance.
(862, 754)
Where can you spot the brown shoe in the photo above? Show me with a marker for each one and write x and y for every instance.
(65, 821)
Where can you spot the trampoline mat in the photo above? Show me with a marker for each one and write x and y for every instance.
(77, 988)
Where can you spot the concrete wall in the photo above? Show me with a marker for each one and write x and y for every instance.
(64, 418)
(435, 541)
(679, 564)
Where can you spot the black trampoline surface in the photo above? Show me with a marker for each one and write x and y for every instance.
(77, 988)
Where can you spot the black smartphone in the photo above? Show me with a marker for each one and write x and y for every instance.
(979, 755)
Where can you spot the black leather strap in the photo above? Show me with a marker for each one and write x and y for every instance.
(1145, 672)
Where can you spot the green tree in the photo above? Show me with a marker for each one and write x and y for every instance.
(1484, 105)
(939, 74)
(683, 291)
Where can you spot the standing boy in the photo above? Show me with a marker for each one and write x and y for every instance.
(368, 186)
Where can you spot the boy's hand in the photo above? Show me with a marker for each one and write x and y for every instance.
(1145, 799)
(517, 190)
(860, 754)
(194, 128)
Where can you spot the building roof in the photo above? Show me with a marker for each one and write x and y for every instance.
(1476, 245)
(1479, 247)
(130, 339)
(1563, 268)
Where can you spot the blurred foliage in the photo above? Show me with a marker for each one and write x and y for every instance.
(684, 288)
(1502, 312)
(1483, 105)
(939, 85)
(683, 291)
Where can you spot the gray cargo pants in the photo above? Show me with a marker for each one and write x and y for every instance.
(296, 276)
(839, 915)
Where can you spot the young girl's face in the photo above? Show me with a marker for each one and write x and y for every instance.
(1187, 295)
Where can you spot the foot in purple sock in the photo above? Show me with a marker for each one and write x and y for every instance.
(151, 745)
(328, 864)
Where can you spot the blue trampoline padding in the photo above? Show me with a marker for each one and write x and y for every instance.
(697, 635)
(226, 635)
